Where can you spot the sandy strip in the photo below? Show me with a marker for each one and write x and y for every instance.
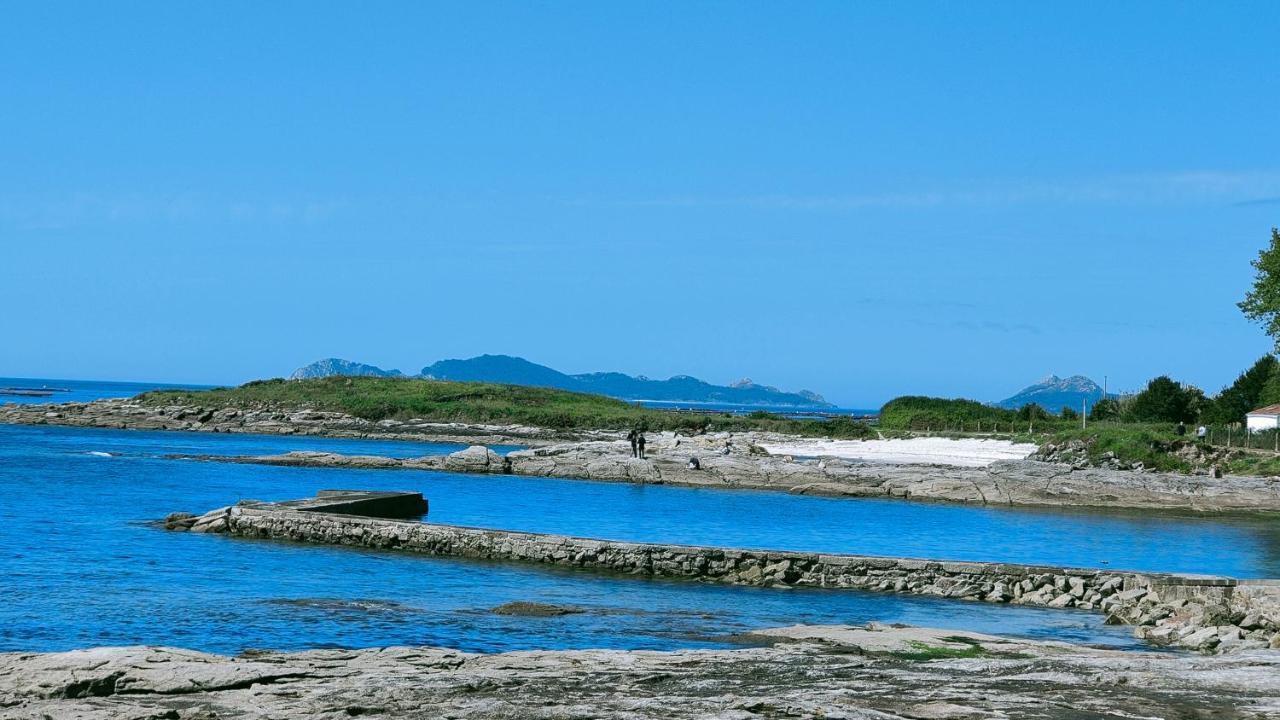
(966, 452)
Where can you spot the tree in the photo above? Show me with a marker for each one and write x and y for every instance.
(1069, 414)
(1262, 304)
(1105, 409)
(1270, 394)
(1251, 390)
(1166, 401)
(1032, 411)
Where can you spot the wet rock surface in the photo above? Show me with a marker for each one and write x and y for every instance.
(524, 608)
(836, 672)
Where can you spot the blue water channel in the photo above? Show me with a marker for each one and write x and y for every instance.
(79, 566)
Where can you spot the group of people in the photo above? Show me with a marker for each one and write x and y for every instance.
(636, 437)
(637, 443)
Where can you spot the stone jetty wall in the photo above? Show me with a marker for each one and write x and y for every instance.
(1200, 612)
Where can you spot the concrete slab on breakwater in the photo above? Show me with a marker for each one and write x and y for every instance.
(364, 503)
(1196, 611)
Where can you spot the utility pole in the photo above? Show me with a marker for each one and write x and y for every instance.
(1084, 413)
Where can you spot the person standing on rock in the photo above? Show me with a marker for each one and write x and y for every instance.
(1202, 433)
(632, 437)
(640, 444)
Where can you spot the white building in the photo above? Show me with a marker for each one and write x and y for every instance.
(1264, 418)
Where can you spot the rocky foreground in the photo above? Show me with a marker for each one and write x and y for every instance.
(724, 460)
(877, 672)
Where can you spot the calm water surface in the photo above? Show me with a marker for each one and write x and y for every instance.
(79, 567)
(83, 390)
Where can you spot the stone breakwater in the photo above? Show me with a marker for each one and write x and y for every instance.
(875, 672)
(1198, 612)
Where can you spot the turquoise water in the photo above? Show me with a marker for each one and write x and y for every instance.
(79, 566)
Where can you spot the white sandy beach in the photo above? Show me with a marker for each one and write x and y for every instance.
(966, 452)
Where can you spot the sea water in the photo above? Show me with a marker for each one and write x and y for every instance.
(82, 565)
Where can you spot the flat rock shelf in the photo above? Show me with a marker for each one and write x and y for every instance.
(872, 672)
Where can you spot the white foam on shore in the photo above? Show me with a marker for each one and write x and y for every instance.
(964, 452)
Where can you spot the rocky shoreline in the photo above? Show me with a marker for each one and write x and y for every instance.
(724, 460)
(130, 414)
(873, 672)
(737, 462)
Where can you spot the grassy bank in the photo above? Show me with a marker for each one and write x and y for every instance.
(375, 398)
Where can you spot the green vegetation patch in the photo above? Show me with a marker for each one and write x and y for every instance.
(1258, 465)
(1153, 446)
(914, 412)
(377, 398)
(918, 651)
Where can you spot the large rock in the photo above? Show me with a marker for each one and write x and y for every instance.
(475, 459)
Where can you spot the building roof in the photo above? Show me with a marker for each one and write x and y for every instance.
(1268, 410)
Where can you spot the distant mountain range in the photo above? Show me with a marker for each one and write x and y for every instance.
(1054, 393)
(518, 371)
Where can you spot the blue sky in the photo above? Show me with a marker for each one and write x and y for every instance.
(864, 199)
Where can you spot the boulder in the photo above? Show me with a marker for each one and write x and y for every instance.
(475, 459)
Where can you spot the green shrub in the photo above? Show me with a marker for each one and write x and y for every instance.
(921, 413)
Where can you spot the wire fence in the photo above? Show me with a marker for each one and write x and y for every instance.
(1235, 435)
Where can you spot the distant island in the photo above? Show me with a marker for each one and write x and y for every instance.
(1054, 393)
(518, 371)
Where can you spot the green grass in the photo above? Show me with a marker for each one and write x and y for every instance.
(1152, 445)
(924, 652)
(374, 398)
(1257, 464)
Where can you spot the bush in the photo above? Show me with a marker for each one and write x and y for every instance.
(1254, 388)
(920, 413)
(1108, 409)
(1032, 412)
(1153, 447)
(1164, 400)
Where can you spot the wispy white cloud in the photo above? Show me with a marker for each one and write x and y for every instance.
(59, 211)
(1258, 201)
(1199, 187)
